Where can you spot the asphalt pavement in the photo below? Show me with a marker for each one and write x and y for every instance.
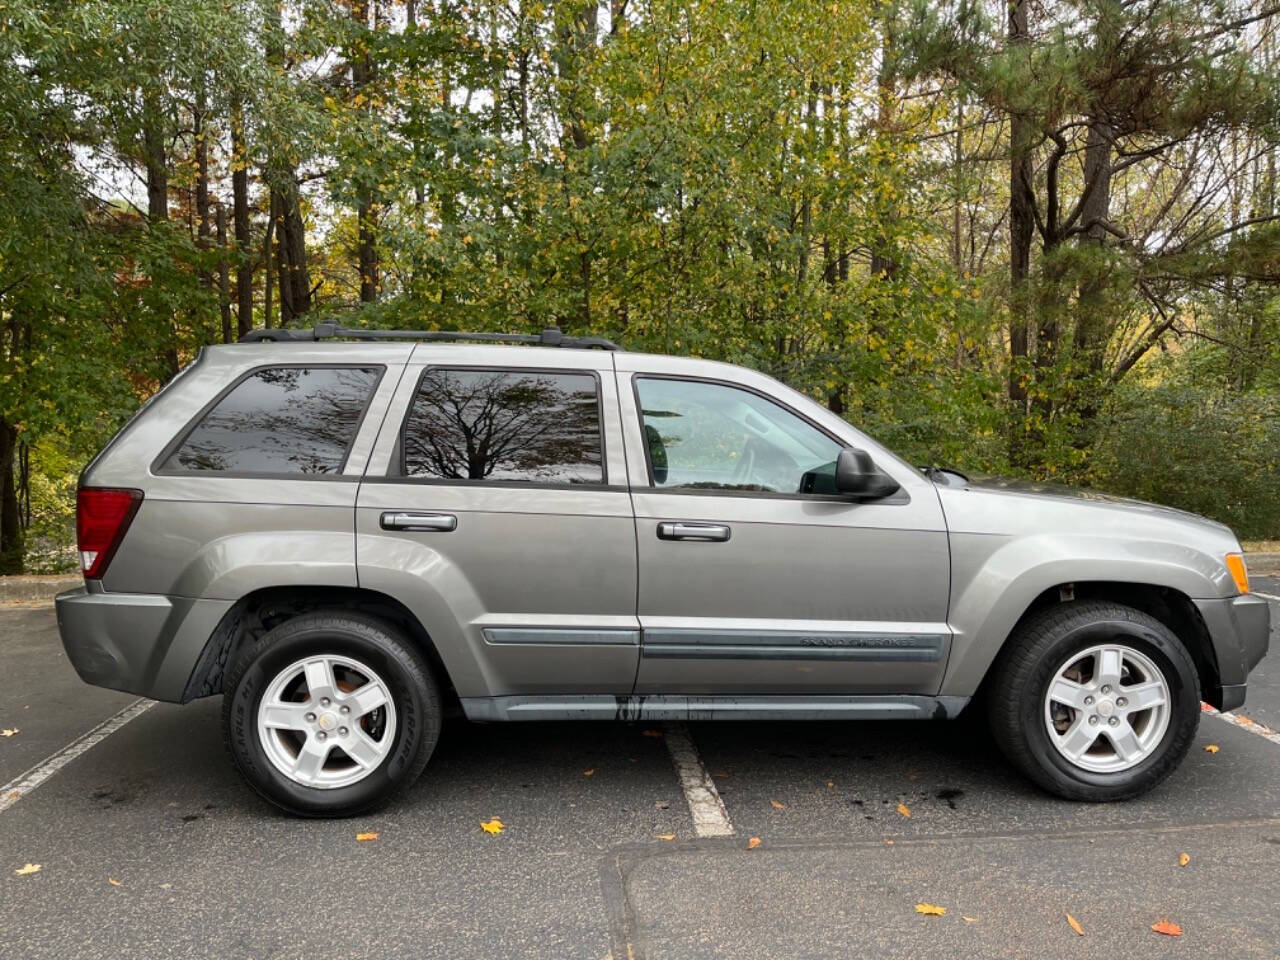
(149, 845)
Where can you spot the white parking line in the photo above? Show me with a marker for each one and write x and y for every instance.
(16, 789)
(710, 819)
(1244, 723)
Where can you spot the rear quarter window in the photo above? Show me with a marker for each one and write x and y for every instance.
(285, 420)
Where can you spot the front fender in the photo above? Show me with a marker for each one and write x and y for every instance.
(995, 579)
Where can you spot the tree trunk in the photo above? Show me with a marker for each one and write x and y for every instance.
(153, 143)
(240, 215)
(291, 239)
(883, 264)
(1092, 328)
(1021, 229)
(224, 276)
(12, 541)
(362, 72)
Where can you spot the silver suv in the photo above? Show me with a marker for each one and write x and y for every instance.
(346, 532)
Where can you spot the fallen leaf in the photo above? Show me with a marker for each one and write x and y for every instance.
(753, 843)
(777, 805)
(652, 733)
(888, 843)
(931, 910)
(14, 795)
(9, 732)
(913, 775)
(1168, 928)
(27, 869)
(492, 826)
(904, 810)
(665, 836)
(1211, 748)
(363, 837)
(1075, 925)
(662, 804)
(830, 784)
(114, 882)
(589, 773)
(969, 919)
(166, 886)
(721, 775)
(1184, 859)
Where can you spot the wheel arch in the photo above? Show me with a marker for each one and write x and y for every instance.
(266, 608)
(1170, 606)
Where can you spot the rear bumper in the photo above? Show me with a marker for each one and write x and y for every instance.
(1240, 629)
(139, 643)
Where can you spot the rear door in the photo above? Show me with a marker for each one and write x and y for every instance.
(496, 507)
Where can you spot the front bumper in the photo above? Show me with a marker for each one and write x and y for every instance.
(140, 643)
(1240, 630)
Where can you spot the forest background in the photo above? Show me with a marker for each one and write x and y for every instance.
(1028, 238)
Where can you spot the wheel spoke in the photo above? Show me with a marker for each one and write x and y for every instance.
(285, 716)
(1107, 669)
(1144, 696)
(311, 759)
(362, 748)
(320, 681)
(1078, 738)
(1124, 740)
(1068, 692)
(368, 698)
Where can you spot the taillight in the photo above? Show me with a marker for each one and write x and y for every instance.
(102, 516)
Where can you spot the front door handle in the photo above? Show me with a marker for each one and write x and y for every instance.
(394, 520)
(684, 530)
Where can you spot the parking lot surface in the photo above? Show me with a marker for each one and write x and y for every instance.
(149, 845)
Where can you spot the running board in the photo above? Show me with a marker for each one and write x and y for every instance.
(667, 707)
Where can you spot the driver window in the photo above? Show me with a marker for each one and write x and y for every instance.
(710, 436)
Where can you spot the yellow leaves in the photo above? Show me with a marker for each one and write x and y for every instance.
(777, 804)
(904, 810)
(494, 826)
(1184, 859)
(1211, 748)
(753, 843)
(1075, 925)
(931, 910)
(27, 870)
(366, 837)
(665, 836)
(1168, 928)
(9, 732)
(589, 773)
(114, 882)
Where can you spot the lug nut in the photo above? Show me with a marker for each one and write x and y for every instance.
(311, 718)
(1113, 721)
(342, 731)
(324, 701)
(321, 735)
(344, 709)
(1122, 702)
(1093, 721)
(1106, 688)
(1088, 700)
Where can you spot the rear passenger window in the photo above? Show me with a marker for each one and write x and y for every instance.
(281, 420)
(534, 426)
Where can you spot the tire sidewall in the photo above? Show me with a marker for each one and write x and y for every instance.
(1168, 656)
(417, 714)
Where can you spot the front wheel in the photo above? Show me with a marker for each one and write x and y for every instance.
(1094, 701)
(331, 713)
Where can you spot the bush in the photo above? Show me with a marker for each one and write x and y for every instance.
(1190, 448)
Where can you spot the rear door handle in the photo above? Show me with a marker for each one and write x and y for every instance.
(443, 522)
(682, 530)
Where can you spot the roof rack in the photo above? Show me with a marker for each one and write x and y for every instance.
(550, 337)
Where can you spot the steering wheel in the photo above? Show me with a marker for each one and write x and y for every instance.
(744, 474)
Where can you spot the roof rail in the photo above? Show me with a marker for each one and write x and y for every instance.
(550, 337)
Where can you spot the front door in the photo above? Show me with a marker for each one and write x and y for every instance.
(752, 580)
(501, 516)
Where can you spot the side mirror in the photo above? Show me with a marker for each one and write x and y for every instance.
(858, 476)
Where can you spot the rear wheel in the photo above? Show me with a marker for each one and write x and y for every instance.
(1094, 701)
(330, 714)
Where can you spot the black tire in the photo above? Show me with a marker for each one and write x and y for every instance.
(1020, 680)
(368, 640)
